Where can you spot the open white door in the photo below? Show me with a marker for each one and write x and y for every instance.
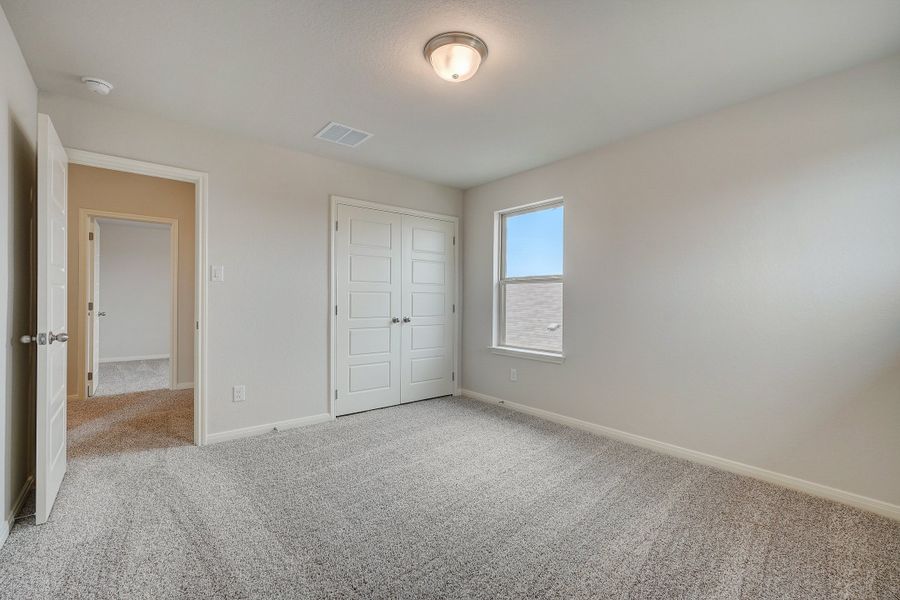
(50, 457)
(94, 314)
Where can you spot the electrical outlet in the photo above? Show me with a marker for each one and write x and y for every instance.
(217, 273)
(239, 393)
(513, 375)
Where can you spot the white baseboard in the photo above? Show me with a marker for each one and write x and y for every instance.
(880, 507)
(187, 385)
(10, 520)
(133, 358)
(234, 434)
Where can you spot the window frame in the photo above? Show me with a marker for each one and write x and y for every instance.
(501, 283)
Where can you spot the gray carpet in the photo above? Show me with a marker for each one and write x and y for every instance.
(446, 498)
(132, 376)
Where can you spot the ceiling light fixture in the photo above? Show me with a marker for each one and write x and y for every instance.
(455, 55)
(97, 85)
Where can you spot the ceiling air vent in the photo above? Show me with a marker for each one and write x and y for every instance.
(343, 135)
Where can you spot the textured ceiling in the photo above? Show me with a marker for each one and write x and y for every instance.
(562, 76)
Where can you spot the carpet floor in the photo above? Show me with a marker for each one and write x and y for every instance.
(125, 377)
(447, 498)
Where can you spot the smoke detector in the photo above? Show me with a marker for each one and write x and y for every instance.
(97, 85)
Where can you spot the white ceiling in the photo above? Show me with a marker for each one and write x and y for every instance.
(562, 76)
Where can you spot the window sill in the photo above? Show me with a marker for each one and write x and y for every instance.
(549, 357)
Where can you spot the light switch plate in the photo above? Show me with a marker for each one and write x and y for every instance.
(217, 273)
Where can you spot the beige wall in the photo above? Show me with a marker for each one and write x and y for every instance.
(115, 191)
(732, 284)
(18, 135)
(269, 227)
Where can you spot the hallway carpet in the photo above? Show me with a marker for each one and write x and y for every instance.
(125, 377)
(447, 498)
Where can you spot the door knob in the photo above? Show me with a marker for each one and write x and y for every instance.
(59, 337)
(406, 319)
(28, 339)
(395, 320)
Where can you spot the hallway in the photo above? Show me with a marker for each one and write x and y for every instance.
(132, 376)
(129, 423)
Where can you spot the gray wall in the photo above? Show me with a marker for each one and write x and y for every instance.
(18, 135)
(732, 284)
(269, 227)
(135, 290)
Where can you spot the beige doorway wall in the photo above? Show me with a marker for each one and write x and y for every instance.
(117, 191)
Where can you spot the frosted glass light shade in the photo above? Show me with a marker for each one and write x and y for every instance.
(455, 62)
(455, 56)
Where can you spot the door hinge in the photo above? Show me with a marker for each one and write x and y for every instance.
(197, 323)
(335, 394)
(335, 310)
(454, 240)
(91, 236)
(453, 376)
(454, 308)
(335, 225)
(90, 306)
(90, 376)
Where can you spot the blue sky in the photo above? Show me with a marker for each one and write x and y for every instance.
(534, 243)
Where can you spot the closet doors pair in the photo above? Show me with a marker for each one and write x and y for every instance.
(394, 276)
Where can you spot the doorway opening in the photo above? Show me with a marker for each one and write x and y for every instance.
(132, 311)
(132, 303)
(64, 411)
(137, 298)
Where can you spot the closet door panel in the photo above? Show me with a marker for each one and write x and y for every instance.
(368, 272)
(427, 293)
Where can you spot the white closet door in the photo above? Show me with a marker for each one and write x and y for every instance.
(428, 278)
(368, 255)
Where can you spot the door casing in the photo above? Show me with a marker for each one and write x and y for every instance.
(86, 216)
(201, 228)
(342, 200)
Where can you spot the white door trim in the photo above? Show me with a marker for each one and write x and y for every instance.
(85, 216)
(332, 286)
(201, 205)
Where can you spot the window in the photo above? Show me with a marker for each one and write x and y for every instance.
(529, 290)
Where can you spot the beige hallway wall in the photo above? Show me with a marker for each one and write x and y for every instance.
(103, 189)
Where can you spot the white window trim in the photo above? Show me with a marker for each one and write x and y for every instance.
(496, 346)
(550, 357)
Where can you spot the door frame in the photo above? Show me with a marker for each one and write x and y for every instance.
(201, 228)
(85, 217)
(332, 287)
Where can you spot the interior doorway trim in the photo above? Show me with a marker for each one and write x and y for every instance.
(201, 200)
(332, 287)
(85, 216)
